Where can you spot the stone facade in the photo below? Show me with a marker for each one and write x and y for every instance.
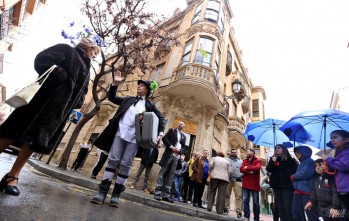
(192, 88)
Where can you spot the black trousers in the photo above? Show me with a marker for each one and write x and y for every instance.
(198, 191)
(101, 161)
(81, 156)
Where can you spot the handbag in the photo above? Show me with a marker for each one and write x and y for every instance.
(25, 95)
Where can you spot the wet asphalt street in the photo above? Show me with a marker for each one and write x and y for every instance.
(46, 198)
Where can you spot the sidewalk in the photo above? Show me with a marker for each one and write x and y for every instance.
(84, 180)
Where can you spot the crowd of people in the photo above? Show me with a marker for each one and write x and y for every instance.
(302, 188)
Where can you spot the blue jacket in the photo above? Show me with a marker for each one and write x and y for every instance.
(303, 179)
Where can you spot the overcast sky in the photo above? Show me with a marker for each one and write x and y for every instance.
(297, 50)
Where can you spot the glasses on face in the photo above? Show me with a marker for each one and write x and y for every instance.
(233, 152)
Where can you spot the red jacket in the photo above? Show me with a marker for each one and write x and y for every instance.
(251, 178)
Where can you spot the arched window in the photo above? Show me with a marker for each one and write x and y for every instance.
(204, 51)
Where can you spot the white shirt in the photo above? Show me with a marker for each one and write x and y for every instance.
(127, 123)
(178, 144)
(86, 146)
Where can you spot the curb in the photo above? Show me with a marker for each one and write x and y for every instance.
(127, 195)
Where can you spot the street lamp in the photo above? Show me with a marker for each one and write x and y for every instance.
(237, 90)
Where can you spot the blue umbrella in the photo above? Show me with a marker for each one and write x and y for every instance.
(267, 133)
(314, 127)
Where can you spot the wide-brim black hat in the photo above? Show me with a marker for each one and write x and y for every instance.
(147, 84)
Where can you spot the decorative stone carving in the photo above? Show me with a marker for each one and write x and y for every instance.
(209, 114)
(164, 105)
(205, 28)
(189, 106)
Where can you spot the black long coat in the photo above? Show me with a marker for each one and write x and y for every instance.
(41, 121)
(106, 138)
(281, 172)
(171, 138)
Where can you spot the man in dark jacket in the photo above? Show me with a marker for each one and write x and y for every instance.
(119, 137)
(174, 141)
(148, 158)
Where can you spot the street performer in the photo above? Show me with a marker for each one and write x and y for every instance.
(119, 137)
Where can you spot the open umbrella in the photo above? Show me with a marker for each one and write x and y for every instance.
(314, 127)
(267, 133)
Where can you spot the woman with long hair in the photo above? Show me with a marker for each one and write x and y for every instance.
(281, 166)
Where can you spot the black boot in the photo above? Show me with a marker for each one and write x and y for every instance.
(115, 196)
(103, 190)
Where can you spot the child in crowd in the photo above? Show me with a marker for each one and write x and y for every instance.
(324, 194)
(302, 182)
(340, 163)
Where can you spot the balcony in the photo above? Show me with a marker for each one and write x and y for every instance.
(198, 81)
(236, 129)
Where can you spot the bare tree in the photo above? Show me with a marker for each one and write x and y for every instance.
(131, 35)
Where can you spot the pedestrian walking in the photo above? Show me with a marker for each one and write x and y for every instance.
(119, 137)
(85, 148)
(39, 124)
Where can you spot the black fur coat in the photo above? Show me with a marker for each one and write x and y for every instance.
(41, 122)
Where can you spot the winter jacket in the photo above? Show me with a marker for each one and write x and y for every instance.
(235, 164)
(171, 138)
(42, 121)
(106, 138)
(198, 167)
(219, 168)
(303, 179)
(183, 170)
(190, 169)
(341, 164)
(281, 172)
(148, 156)
(325, 192)
(251, 178)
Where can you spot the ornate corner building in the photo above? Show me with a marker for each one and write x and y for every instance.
(196, 82)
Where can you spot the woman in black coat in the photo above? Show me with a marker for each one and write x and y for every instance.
(282, 166)
(38, 125)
